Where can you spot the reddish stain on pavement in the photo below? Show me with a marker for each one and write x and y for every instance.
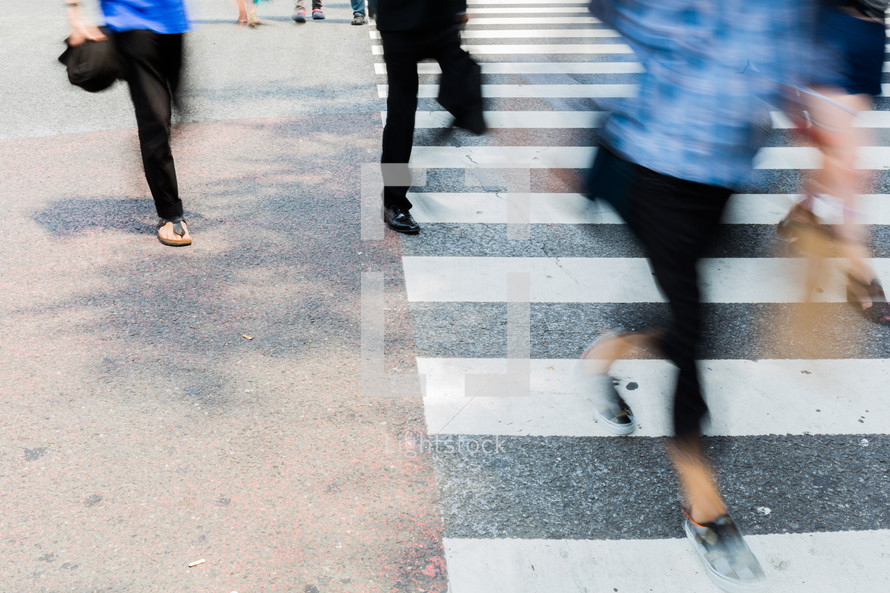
(144, 432)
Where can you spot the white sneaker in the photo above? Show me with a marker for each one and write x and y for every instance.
(727, 559)
(612, 412)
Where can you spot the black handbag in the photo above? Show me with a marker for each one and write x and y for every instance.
(460, 92)
(93, 65)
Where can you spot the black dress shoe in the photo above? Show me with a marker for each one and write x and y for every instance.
(400, 220)
(472, 121)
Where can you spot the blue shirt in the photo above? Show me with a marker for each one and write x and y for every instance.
(160, 16)
(712, 69)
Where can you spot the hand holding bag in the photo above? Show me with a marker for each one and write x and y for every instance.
(93, 65)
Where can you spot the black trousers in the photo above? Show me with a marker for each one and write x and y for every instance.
(153, 68)
(402, 50)
(674, 220)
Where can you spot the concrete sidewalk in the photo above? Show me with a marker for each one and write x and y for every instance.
(164, 406)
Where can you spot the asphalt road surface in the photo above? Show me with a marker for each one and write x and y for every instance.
(193, 419)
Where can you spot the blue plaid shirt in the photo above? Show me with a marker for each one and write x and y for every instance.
(712, 69)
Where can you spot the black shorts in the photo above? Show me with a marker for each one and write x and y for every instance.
(854, 53)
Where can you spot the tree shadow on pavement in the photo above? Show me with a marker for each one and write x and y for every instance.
(227, 370)
(76, 215)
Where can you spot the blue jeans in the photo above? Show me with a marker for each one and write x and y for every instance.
(358, 6)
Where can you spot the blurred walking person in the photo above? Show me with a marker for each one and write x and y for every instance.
(852, 41)
(413, 30)
(300, 11)
(668, 161)
(148, 35)
(358, 12)
(248, 17)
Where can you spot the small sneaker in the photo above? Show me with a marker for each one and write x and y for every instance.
(317, 14)
(727, 558)
(358, 18)
(300, 16)
(613, 412)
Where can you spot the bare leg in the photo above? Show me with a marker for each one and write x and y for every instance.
(839, 140)
(600, 357)
(698, 480)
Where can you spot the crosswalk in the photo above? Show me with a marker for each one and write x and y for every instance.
(534, 495)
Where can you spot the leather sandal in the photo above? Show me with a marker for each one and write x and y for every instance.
(252, 19)
(801, 218)
(177, 230)
(805, 231)
(859, 293)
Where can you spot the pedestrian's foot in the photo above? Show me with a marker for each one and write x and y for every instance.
(869, 299)
(612, 412)
(802, 228)
(592, 376)
(615, 345)
(174, 232)
(300, 16)
(253, 20)
(400, 220)
(472, 122)
(317, 14)
(358, 18)
(242, 18)
(727, 559)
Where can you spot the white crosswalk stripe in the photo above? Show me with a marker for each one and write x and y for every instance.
(531, 49)
(813, 562)
(535, 68)
(738, 392)
(537, 157)
(531, 34)
(517, 119)
(592, 119)
(580, 280)
(580, 91)
(543, 61)
(535, 20)
(574, 208)
(471, 3)
(528, 10)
